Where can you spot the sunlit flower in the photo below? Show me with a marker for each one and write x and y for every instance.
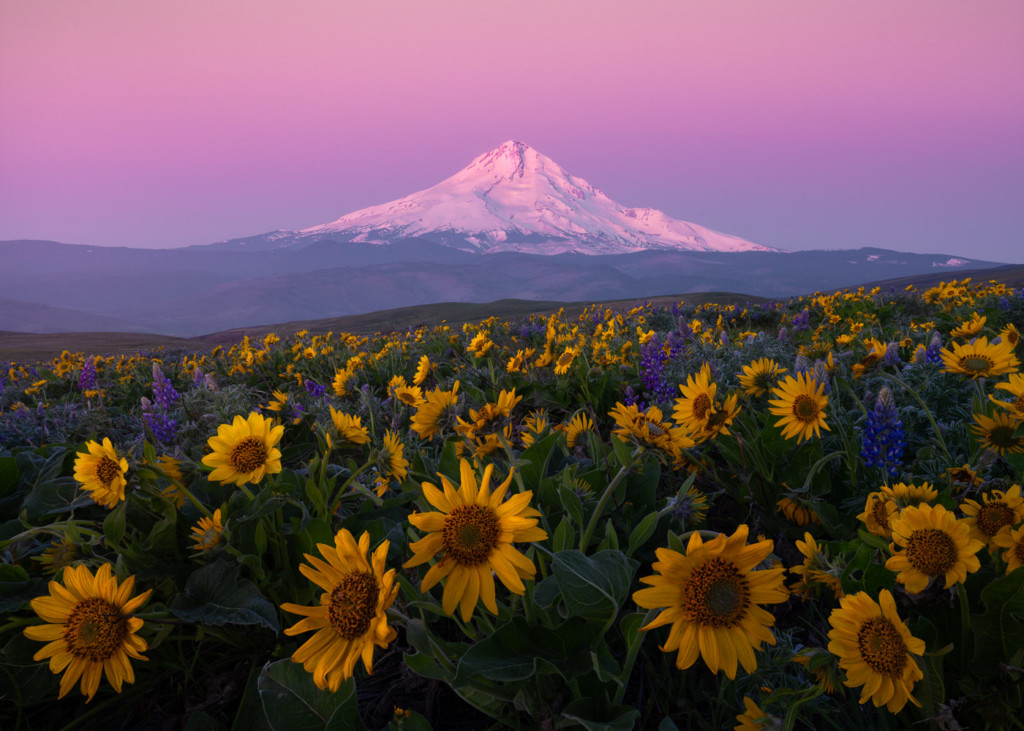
(711, 596)
(435, 412)
(1013, 542)
(1015, 386)
(349, 428)
(816, 570)
(994, 514)
(517, 363)
(963, 477)
(351, 618)
(879, 510)
(876, 649)
(1010, 334)
(207, 532)
(480, 345)
(100, 472)
(534, 426)
(409, 395)
(277, 402)
(760, 376)
(753, 718)
(796, 512)
(980, 358)
(565, 360)
(244, 450)
(970, 328)
(473, 529)
(649, 429)
(392, 461)
(422, 371)
(801, 403)
(575, 428)
(998, 433)
(694, 408)
(58, 555)
(89, 629)
(934, 544)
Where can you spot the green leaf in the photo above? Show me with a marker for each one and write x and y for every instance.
(545, 592)
(292, 702)
(593, 586)
(999, 630)
(16, 588)
(427, 667)
(57, 495)
(572, 505)
(513, 652)
(564, 536)
(595, 716)
(9, 475)
(538, 455)
(611, 538)
(114, 524)
(642, 532)
(217, 594)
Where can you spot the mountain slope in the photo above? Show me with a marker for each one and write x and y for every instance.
(512, 199)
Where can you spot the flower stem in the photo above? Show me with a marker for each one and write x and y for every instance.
(605, 497)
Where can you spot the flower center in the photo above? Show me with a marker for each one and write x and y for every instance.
(717, 594)
(406, 397)
(95, 630)
(701, 406)
(805, 408)
(993, 516)
(882, 646)
(931, 551)
(1002, 437)
(976, 363)
(353, 604)
(249, 454)
(470, 534)
(106, 470)
(1018, 405)
(1018, 551)
(880, 513)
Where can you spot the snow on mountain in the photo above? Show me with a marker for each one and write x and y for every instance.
(515, 199)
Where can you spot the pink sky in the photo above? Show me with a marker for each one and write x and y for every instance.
(797, 124)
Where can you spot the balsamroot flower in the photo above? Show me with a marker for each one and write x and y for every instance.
(100, 472)
(475, 529)
(89, 629)
(711, 596)
(244, 451)
(801, 403)
(875, 648)
(351, 618)
(935, 544)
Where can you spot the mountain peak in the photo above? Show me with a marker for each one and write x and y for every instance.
(513, 198)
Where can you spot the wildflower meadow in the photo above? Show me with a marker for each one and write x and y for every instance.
(799, 514)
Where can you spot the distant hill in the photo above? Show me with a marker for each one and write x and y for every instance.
(195, 291)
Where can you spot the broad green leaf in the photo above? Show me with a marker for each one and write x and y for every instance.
(593, 586)
(595, 716)
(16, 588)
(292, 702)
(9, 475)
(114, 525)
(217, 594)
(642, 532)
(513, 652)
(564, 536)
(999, 630)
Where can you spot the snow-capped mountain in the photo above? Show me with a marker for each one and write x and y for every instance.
(515, 199)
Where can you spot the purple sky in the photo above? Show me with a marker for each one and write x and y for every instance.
(792, 123)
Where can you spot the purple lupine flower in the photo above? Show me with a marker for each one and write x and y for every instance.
(652, 365)
(631, 398)
(1004, 304)
(297, 410)
(314, 389)
(802, 321)
(802, 364)
(821, 375)
(163, 391)
(163, 427)
(892, 354)
(934, 352)
(884, 440)
(198, 379)
(87, 379)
